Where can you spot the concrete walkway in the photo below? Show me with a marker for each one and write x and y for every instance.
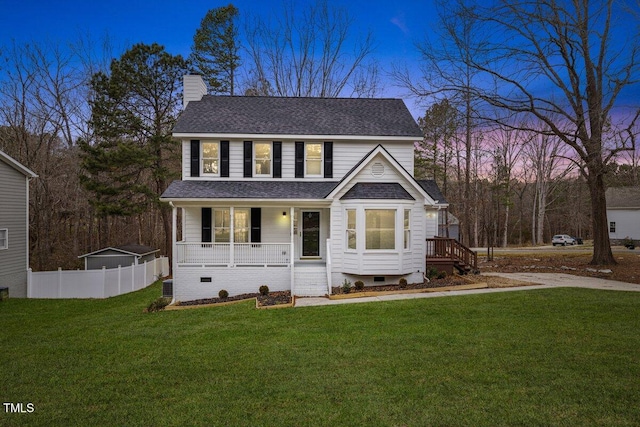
(540, 280)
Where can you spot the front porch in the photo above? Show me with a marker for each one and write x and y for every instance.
(233, 254)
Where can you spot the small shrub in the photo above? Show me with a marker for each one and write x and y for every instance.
(158, 305)
(432, 272)
(223, 294)
(346, 286)
(264, 290)
(442, 274)
(359, 285)
(402, 282)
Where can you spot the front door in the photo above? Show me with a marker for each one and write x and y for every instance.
(310, 234)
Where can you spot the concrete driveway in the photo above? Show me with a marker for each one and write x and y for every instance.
(540, 280)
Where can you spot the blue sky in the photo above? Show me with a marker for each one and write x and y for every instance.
(172, 23)
(395, 25)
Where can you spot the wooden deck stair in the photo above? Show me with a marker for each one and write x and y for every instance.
(447, 254)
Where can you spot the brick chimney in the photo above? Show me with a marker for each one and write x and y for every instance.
(193, 88)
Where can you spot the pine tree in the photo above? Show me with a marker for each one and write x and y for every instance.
(132, 157)
(214, 53)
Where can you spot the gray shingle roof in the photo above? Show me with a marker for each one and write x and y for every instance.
(432, 189)
(298, 116)
(274, 189)
(623, 197)
(377, 190)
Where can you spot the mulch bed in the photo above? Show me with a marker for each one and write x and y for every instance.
(284, 297)
(434, 283)
(273, 298)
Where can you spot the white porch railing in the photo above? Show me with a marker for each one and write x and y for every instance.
(233, 253)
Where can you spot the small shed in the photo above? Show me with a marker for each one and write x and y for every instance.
(113, 257)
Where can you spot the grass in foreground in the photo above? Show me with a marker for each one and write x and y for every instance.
(537, 357)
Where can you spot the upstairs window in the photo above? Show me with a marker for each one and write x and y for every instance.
(262, 158)
(313, 159)
(210, 158)
(4, 238)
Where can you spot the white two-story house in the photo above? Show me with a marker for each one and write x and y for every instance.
(297, 194)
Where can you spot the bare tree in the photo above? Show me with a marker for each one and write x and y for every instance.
(545, 158)
(446, 72)
(307, 53)
(507, 147)
(557, 61)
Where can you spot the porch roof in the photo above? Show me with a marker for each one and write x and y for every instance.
(274, 189)
(377, 190)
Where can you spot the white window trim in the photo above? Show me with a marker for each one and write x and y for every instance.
(214, 228)
(263, 175)
(202, 158)
(406, 232)
(346, 230)
(6, 238)
(321, 174)
(394, 208)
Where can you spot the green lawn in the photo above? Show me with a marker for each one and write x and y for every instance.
(538, 357)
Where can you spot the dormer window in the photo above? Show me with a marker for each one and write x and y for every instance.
(210, 158)
(262, 158)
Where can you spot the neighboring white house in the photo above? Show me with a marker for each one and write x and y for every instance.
(623, 213)
(14, 225)
(297, 194)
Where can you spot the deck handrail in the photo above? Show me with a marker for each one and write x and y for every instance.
(442, 247)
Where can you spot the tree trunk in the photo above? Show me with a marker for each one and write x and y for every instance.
(602, 254)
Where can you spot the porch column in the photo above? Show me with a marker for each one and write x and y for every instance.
(232, 226)
(174, 238)
(291, 250)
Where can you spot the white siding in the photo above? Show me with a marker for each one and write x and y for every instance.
(240, 280)
(388, 263)
(627, 223)
(346, 154)
(13, 217)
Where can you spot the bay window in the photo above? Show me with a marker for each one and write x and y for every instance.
(407, 228)
(351, 229)
(380, 228)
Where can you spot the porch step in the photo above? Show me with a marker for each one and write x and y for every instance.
(310, 281)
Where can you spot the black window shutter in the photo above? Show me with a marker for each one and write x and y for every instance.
(195, 157)
(299, 159)
(248, 158)
(224, 159)
(255, 224)
(206, 224)
(328, 159)
(277, 159)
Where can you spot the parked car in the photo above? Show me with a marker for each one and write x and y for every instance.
(563, 239)
(578, 240)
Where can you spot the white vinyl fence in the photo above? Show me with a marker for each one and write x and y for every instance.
(95, 283)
